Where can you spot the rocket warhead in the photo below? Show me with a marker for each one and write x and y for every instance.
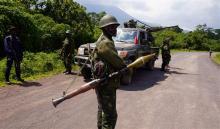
(141, 61)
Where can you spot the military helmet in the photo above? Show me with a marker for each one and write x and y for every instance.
(108, 20)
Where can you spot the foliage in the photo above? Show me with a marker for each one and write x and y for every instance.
(34, 29)
(95, 17)
(35, 64)
(216, 58)
(202, 38)
(177, 41)
(71, 13)
(42, 25)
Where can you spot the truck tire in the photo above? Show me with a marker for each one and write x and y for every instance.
(126, 79)
(86, 73)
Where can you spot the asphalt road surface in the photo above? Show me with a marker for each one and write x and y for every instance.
(185, 97)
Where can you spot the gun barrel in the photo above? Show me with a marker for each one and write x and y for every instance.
(57, 101)
(82, 89)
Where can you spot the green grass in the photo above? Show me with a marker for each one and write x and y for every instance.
(35, 66)
(216, 58)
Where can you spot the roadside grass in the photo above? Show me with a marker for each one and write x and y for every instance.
(216, 58)
(35, 66)
(184, 50)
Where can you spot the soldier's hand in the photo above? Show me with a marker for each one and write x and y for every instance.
(125, 70)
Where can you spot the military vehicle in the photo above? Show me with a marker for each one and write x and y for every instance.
(131, 42)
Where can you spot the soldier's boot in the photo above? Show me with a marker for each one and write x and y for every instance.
(7, 81)
(7, 72)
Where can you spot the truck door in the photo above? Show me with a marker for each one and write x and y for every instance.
(143, 44)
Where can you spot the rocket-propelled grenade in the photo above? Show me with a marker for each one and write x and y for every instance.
(90, 85)
(141, 61)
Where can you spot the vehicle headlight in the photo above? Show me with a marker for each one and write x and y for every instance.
(122, 54)
(80, 51)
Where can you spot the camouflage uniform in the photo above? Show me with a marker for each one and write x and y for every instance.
(106, 92)
(165, 50)
(66, 53)
(14, 52)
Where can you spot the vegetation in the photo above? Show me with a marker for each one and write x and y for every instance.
(34, 65)
(202, 38)
(216, 58)
(42, 25)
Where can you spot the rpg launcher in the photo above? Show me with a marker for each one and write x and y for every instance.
(90, 85)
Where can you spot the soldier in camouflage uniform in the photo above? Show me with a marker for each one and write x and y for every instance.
(14, 52)
(165, 50)
(67, 52)
(106, 53)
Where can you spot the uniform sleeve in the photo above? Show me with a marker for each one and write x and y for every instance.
(106, 50)
(6, 45)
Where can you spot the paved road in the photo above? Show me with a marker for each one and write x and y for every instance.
(186, 97)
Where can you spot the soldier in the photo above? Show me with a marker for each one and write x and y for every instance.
(67, 51)
(132, 24)
(107, 60)
(14, 52)
(210, 52)
(165, 50)
(150, 37)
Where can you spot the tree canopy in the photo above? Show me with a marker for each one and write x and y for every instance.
(42, 25)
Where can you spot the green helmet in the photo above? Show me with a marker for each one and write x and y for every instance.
(108, 20)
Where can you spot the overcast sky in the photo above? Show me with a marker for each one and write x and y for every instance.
(185, 13)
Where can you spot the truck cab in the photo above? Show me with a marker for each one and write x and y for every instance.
(130, 43)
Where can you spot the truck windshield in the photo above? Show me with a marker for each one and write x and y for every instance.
(125, 36)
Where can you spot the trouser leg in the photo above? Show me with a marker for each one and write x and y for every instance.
(99, 113)
(65, 63)
(163, 66)
(8, 68)
(69, 67)
(107, 114)
(18, 69)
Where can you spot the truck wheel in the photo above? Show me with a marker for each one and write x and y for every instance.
(86, 73)
(126, 79)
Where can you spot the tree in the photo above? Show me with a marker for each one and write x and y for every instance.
(95, 17)
(28, 3)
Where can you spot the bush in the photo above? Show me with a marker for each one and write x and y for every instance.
(36, 31)
(35, 64)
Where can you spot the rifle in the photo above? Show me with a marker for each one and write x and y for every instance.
(93, 84)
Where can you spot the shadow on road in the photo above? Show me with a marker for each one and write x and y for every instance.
(176, 68)
(174, 72)
(28, 84)
(144, 79)
(171, 71)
